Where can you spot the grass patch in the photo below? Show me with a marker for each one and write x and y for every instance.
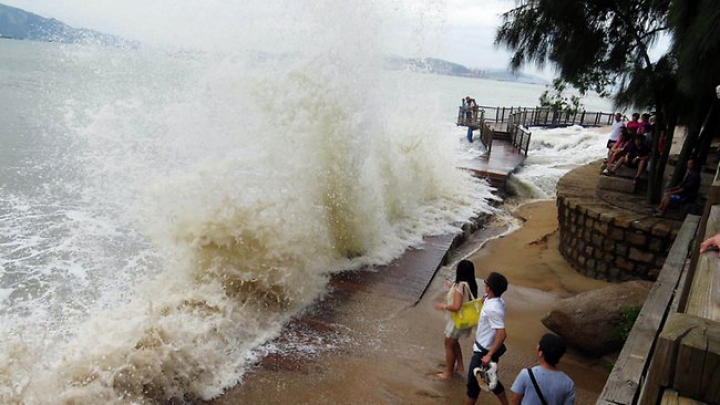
(629, 316)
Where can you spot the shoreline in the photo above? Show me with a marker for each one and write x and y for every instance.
(379, 349)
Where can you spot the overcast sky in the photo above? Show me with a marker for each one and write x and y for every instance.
(460, 31)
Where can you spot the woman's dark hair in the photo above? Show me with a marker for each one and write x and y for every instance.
(466, 272)
(624, 134)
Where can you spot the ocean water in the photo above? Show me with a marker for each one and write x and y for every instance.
(164, 212)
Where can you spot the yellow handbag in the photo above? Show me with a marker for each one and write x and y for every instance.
(468, 314)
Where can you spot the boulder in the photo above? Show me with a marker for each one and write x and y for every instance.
(591, 321)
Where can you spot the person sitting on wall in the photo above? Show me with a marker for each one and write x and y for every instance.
(619, 148)
(685, 192)
(646, 128)
(634, 124)
(615, 132)
(638, 156)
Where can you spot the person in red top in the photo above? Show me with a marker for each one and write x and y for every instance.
(637, 156)
(634, 124)
(619, 148)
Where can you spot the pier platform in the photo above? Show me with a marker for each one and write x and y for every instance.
(496, 166)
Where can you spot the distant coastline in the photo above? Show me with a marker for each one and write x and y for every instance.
(19, 24)
(443, 67)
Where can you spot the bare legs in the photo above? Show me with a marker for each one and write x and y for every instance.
(664, 203)
(453, 358)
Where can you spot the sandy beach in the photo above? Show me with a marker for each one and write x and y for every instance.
(380, 350)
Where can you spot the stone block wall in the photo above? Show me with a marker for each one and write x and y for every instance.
(602, 245)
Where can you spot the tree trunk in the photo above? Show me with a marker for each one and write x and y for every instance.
(709, 131)
(687, 148)
(654, 167)
(656, 179)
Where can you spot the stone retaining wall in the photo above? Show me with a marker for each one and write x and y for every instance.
(610, 236)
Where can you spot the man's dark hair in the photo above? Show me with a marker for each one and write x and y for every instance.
(553, 348)
(497, 283)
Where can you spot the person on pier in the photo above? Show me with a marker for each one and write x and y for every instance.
(489, 341)
(471, 111)
(460, 292)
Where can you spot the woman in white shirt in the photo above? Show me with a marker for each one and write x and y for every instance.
(459, 293)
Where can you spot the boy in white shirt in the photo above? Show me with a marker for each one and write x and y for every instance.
(489, 341)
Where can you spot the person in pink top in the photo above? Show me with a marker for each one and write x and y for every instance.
(619, 149)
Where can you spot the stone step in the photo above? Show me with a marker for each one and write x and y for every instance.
(613, 183)
(625, 172)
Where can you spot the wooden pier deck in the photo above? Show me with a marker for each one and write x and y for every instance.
(496, 166)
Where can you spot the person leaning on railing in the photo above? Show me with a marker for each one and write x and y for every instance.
(711, 243)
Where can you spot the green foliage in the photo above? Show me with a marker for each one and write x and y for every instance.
(557, 101)
(603, 45)
(696, 43)
(594, 44)
(629, 316)
(607, 365)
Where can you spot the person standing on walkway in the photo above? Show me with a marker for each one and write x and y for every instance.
(489, 340)
(459, 293)
(545, 380)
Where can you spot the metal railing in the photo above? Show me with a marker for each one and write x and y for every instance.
(545, 116)
(486, 136)
(472, 117)
(520, 138)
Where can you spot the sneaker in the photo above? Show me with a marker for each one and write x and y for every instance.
(491, 375)
(480, 377)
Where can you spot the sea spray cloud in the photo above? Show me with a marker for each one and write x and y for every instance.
(209, 191)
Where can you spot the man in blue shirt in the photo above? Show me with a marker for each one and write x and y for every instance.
(552, 384)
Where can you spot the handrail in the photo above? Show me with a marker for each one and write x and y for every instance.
(521, 138)
(671, 350)
(630, 374)
(546, 116)
(472, 117)
(486, 136)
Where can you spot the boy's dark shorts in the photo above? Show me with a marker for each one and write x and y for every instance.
(473, 389)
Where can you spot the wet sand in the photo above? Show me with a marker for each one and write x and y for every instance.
(379, 350)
